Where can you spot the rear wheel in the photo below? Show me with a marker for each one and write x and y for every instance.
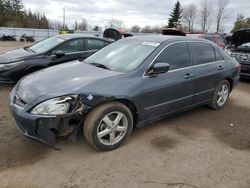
(221, 95)
(108, 126)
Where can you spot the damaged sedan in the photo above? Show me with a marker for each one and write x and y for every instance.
(130, 83)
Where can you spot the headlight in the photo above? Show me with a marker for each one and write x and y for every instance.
(56, 106)
(10, 65)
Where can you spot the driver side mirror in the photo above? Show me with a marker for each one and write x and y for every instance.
(158, 68)
(59, 53)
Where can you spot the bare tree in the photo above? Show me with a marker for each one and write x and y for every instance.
(189, 16)
(135, 29)
(146, 29)
(205, 14)
(116, 23)
(221, 6)
(83, 25)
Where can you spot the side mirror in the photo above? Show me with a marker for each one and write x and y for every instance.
(59, 53)
(158, 68)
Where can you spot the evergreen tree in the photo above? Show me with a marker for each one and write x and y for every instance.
(241, 23)
(175, 16)
(12, 14)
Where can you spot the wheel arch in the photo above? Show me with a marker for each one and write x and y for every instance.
(131, 106)
(230, 80)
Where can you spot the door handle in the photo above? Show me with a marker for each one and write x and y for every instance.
(220, 67)
(188, 76)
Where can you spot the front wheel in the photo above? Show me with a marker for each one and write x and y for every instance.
(221, 95)
(108, 126)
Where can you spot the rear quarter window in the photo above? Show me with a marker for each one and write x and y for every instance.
(202, 53)
(219, 57)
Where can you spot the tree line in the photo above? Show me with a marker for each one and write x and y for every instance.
(12, 14)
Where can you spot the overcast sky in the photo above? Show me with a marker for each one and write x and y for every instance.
(131, 12)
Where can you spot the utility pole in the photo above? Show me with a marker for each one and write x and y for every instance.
(63, 18)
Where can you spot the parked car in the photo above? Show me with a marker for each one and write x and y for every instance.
(217, 39)
(132, 82)
(240, 49)
(55, 50)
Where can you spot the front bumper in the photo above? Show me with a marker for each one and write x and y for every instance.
(44, 129)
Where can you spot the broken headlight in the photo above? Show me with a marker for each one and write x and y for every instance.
(55, 106)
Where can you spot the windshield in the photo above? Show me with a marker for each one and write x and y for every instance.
(124, 55)
(46, 45)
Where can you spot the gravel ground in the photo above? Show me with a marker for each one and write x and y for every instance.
(199, 148)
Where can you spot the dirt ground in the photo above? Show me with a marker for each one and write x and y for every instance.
(195, 149)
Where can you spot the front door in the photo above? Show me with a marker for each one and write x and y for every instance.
(171, 91)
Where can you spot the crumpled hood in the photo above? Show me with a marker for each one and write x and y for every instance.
(241, 37)
(14, 55)
(67, 78)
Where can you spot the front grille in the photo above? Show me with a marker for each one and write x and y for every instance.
(242, 57)
(18, 101)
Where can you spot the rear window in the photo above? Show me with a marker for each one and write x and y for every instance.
(202, 53)
(94, 44)
(218, 56)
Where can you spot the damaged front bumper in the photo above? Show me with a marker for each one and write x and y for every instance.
(45, 129)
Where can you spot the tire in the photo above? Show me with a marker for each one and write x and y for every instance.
(216, 102)
(102, 120)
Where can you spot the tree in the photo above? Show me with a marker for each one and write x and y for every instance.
(146, 29)
(220, 12)
(135, 29)
(83, 25)
(241, 23)
(189, 16)
(205, 15)
(175, 16)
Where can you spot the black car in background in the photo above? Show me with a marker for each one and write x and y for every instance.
(240, 50)
(52, 51)
(131, 82)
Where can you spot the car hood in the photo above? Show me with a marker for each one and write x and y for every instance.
(14, 55)
(67, 78)
(241, 37)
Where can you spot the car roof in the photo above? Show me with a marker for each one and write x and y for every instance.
(74, 36)
(165, 38)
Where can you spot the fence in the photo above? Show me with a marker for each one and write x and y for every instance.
(38, 34)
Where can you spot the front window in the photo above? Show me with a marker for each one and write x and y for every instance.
(75, 45)
(46, 45)
(124, 55)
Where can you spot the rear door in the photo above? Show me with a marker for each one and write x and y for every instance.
(209, 70)
(173, 90)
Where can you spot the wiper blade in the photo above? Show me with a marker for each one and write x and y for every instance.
(100, 66)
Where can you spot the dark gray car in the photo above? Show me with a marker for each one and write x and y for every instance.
(131, 82)
(53, 51)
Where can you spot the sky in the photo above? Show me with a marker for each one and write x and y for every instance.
(131, 12)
